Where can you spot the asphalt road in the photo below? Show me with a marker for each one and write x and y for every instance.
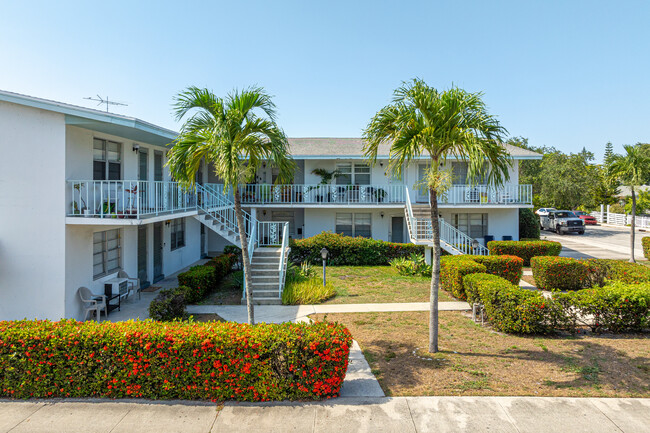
(602, 242)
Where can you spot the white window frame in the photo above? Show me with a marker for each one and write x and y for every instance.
(467, 226)
(104, 252)
(352, 173)
(177, 227)
(353, 220)
(104, 158)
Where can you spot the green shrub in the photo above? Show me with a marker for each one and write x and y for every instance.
(172, 360)
(508, 267)
(617, 307)
(525, 249)
(222, 265)
(200, 280)
(560, 273)
(349, 251)
(452, 271)
(604, 270)
(169, 305)
(307, 291)
(528, 224)
(645, 242)
(236, 252)
(510, 308)
(415, 264)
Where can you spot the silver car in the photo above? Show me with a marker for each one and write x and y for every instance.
(562, 221)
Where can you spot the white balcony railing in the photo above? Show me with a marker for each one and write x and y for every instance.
(127, 198)
(482, 195)
(321, 194)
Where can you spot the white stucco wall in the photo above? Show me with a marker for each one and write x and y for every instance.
(320, 220)
(32, 213)
(501, 222)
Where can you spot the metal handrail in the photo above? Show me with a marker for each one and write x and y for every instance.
(282, 268)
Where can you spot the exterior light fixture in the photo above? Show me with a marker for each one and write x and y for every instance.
(381, 214)
(136, 147)
(323, 254)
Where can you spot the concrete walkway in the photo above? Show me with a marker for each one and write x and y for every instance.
(293, 313)
(400, 414)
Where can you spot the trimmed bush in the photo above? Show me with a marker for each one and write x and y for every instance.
(618, 270)
(525, 249)
(236, 252)
(618, 307)
(645, 242)
(200, 280)
(177, 360)
(507, 267)
(452, 271)
(510, 308)
(528, 224)
(349, 251)
(560, 273)
(169, 305)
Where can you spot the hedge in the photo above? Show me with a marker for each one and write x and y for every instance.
(507, 267)
(511, 308)
(528, 224)
(178, 360)
(452, 271)
(645, 242)
(169, 304)
(349, 251)
(203, 279)
(560, 273)
(525, 249)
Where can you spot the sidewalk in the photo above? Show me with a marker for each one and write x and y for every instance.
(399, 414)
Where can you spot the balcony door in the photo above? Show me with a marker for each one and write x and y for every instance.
(142, 256)
(158, 252)
(421, 192)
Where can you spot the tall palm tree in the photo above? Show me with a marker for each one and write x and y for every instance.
(235, 134)
(424, 122)
(633, 170)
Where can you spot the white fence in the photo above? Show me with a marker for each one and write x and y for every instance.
(620, 219)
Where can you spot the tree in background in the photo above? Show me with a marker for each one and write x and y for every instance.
(632, 169)
(528, 224)
(424, 122)
(236, 135)
(642, 202)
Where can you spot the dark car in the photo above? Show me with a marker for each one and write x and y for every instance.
(588, 219)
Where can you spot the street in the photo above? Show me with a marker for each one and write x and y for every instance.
(601, 242)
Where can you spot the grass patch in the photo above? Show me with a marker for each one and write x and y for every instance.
(309, 291)
(474, 360)
(377, 284)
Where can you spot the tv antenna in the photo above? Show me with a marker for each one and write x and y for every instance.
(101, 101)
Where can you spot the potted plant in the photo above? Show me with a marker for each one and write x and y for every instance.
(84, 209)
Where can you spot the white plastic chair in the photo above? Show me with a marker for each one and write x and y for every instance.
(134, 283)
(93, 302)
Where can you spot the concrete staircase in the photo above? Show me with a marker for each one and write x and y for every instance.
(265, 276)
(421, 212)
(219, 227)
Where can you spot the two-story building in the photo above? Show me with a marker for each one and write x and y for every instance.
(85, 194)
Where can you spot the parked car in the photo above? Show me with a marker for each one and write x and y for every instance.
(543, 211)
(562, 221)
(588, 219)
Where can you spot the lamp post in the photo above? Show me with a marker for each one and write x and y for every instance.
(323, 254)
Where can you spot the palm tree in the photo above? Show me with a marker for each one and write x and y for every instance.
(633, 170)
(423, 121)
(235, 134)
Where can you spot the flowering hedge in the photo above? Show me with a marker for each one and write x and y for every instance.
(349, 251)
(560, 273)
(619, 270)
(525, 249)
(645, 242)
(452, 271)
(511, 308)
(178, 360)
(505, 266)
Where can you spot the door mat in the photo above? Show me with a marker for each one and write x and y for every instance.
(151, 289)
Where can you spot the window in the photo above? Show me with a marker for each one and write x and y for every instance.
(107, 252)
(353, 224)
(107, 160)
(353, 174)
(178, 233)
(475, 225)
(460, 174)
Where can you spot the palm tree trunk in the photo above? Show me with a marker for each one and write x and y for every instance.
(239, 215)
(632, 226)
(435, 273)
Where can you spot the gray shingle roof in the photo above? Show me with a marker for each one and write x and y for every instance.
(326, 147)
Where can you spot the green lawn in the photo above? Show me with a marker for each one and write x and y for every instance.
(376, 284)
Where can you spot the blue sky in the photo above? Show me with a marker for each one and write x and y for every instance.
(562, 73)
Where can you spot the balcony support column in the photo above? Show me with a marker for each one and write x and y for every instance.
(428, 254)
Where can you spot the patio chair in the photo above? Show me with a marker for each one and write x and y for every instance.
(134, 283)
(93, 302)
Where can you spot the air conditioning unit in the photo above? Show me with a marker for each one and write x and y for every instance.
(116, 286)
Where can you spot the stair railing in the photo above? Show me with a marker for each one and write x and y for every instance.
(282, 269)
(252, 240)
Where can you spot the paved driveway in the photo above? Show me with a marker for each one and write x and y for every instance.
(602, 242)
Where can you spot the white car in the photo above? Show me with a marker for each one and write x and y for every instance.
(543, 211)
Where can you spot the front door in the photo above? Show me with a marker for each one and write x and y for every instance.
(157, 252)
(422, 195)
(142, 256)
(397, 229)
(203, 253)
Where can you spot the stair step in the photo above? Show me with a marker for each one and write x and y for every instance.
(266, 266)
(265, 293)
(264, 301)
(265, 260)
(264, 272)
(265, 286)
